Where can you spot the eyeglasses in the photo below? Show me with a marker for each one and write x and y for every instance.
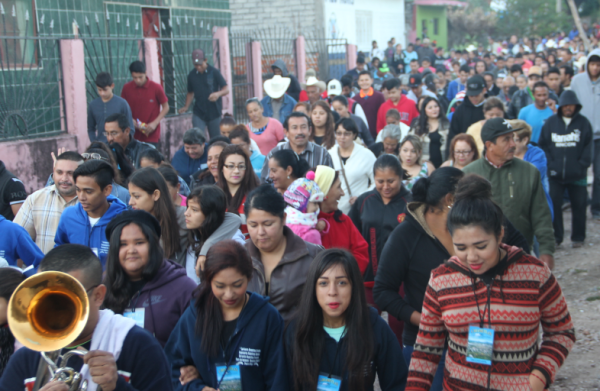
(344, 134)
(112, 134)
(463, 153)
(241, 167)
(88, 156)
(92, 288)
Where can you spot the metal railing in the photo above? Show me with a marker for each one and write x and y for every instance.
(31, 89)
(327, 56)
(242, 76)
(277, 43)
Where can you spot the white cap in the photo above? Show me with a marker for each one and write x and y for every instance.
(334, 88)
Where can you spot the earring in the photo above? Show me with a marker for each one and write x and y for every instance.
(449, 206)
(288, 177)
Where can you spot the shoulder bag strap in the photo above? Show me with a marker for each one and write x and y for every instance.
(344, 173)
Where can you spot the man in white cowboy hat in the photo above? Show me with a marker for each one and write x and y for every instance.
(277, 104)
(314, 88)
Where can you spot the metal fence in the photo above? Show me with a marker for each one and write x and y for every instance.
(241, 63)
(31, 89)
(175, 55)
(325, 55)
(277, 43)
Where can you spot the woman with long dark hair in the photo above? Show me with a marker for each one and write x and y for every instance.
(149, 192)
(229, 337)
(172, 179)
(280, 258)
(236, 179)
(208, 223)
(339, 231)
(324, 124)
(137, 273)
(210, 175)
(336, 337)
(469, 296)
(432, 128)
(285, 166)
(10, 278)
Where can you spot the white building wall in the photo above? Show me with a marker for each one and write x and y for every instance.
(362, 21)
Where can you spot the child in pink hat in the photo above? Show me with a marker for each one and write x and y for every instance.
(302, 197)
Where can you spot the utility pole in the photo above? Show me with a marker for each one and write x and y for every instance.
(582, 33)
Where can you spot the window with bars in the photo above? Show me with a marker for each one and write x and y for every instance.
(18, 21)
(364, 28)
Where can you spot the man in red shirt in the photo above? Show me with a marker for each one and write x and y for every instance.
(145, 99)
(406, 107)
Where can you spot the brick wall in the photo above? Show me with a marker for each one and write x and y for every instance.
(296, 15)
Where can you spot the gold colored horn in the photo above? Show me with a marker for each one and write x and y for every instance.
(48, 311)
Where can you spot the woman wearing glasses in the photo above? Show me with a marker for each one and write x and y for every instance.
(463, 151)
(266, 131)
(353, 162)
(236, 179)
(140, 283)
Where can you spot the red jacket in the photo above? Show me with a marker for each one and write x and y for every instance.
(345, 235)
(406, 107)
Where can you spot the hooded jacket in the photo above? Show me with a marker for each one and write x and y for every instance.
(588, 92)
(388, 362)
(164, 299)
(408, 258)
(464, 116)
(568, 148)
(288, 277)
(521, 294)
(376, 221)
(517, 189)
(15, 244)
(74, 227)
(256, 346)
(294, 88)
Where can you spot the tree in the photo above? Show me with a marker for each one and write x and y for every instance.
(469, 25)
(531, 18)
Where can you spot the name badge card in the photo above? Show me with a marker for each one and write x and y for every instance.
(327, 383)
(230, 378)
(480, 347)
(137, 315)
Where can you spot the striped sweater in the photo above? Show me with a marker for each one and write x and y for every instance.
(523, 296)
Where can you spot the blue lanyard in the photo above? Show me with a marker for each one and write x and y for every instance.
(237, 345)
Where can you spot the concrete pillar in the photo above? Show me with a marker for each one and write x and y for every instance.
(224, 65)
(351, 55)
(151, 59)
(301, 58)
(257, 69)
(73, 73)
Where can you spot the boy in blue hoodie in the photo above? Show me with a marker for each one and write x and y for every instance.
(86, 222)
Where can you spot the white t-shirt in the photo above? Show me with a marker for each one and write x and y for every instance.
(93, 221)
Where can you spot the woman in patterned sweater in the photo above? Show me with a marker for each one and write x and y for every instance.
(494, 289)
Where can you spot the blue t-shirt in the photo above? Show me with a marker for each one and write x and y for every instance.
(535, 118)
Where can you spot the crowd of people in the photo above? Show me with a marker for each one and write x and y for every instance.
(262, 254)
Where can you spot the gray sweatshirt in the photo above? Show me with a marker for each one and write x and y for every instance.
(588, 93)
(99, 110)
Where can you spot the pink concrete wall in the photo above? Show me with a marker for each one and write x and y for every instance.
(171, 133)
(301, 58)
(151, 53)
(73, 73)
(222, 34)
(257, 69)
(351, 55)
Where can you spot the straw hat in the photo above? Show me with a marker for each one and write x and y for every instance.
(313, 81)
(277, 86)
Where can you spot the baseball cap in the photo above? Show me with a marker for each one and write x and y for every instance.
(334, 88)
(535, 70)
(475, 85)
(384, 68)
(496, 127)
(414, 81)
(198, 56)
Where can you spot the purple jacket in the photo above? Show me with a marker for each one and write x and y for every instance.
(164, 299)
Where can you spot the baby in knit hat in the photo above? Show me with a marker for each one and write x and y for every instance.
(302, 197)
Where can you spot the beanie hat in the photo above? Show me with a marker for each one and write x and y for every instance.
(302, 191)
(139, 217)
(324, 177)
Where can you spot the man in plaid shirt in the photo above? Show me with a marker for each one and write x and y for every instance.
(41, 211)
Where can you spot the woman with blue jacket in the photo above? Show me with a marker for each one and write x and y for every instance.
(228, 338)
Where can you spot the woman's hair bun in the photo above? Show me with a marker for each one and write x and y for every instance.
(472, 187)
(420, 189)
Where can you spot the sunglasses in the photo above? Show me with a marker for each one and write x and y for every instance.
(95, 156)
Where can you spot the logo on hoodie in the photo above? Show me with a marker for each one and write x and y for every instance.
(566, 140)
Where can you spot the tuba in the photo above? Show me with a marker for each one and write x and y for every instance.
(47, 312)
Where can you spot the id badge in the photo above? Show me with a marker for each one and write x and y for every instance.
(230, 378)
(480, 347)
(137, 315)
(327, 383)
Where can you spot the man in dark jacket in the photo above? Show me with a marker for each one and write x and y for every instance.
(566, 138)
(471, 110)
(279, 68)
(117, 131)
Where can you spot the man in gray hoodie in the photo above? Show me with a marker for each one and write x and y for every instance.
(279, 68)
(587, 87)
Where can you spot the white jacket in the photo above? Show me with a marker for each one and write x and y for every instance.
(358, 170)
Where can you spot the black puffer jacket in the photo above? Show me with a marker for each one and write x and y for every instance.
(568, 148)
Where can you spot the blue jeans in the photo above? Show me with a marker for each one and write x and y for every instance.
(212, 125)
(438, 379)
